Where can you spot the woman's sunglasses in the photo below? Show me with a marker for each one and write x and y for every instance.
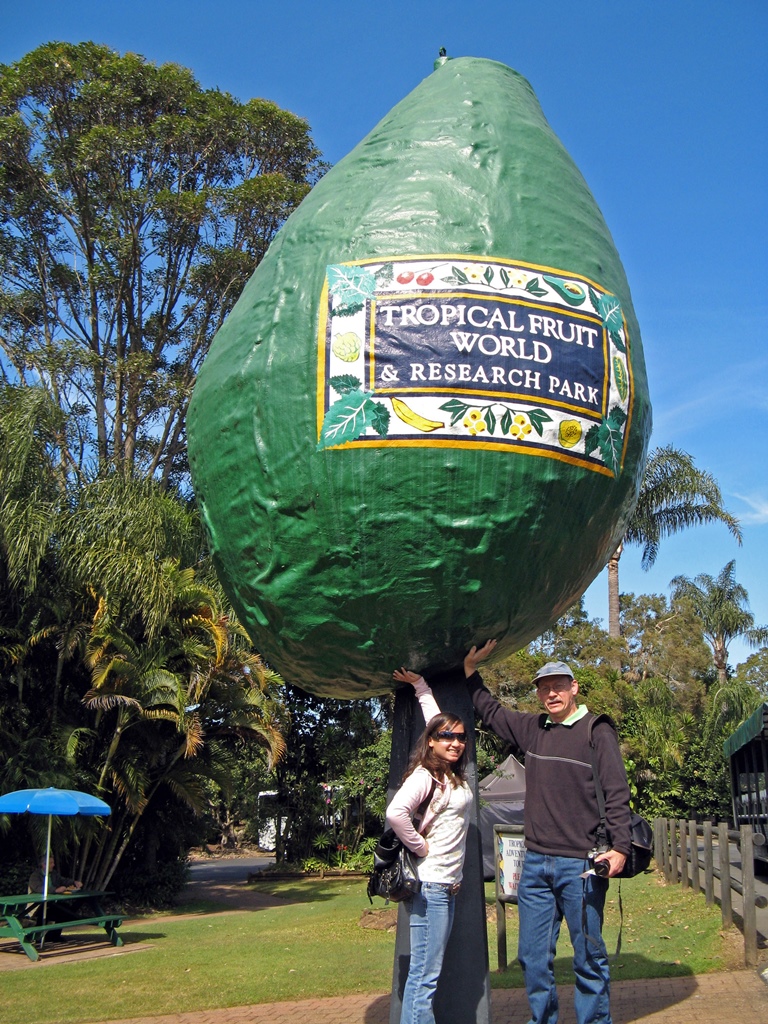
(460, 737)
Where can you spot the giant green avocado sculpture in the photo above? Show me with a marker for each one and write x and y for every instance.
(425, 421)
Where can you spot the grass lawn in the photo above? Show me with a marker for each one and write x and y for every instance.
(313, 946)
(667, 932)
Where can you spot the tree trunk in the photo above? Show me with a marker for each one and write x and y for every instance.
(614, 620)
(614, 609)
(720, 657)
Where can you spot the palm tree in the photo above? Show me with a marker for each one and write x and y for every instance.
(722, 605)
(674, 495)
(165, 702)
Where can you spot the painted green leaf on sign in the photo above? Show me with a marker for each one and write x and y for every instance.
(591, 439)
(620, 376)
(344, 383)
(618, 341)
(534, 287)
(351, 285)
(347, 419)
(385, 274)
(455, 408)
(538, 418)
(380, 418)
(609, 308)
(610, 438)
(490, 419)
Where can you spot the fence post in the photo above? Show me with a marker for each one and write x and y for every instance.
(709, 865)
(659, 825)
(661, 844)
(693, 838)
(683, 825)
(725, 875)
(667, 872)
(749, 915)
(673, 849)
(501, 935)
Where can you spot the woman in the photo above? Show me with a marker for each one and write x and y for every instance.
(440, 758)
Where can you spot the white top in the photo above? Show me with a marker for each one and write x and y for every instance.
(447, 838)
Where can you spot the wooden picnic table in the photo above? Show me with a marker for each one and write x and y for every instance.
(18, 913)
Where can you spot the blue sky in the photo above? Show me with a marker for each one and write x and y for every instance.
(662, 107)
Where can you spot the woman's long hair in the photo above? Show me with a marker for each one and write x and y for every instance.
(424, 756)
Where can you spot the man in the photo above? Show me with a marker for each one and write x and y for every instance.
(561, 825)
(55, 881)
(56, 884)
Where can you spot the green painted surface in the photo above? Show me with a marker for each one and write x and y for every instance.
(346, 562)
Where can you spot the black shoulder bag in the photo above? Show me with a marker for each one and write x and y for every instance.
(395, 875)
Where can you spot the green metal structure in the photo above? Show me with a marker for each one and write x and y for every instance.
(747, 752)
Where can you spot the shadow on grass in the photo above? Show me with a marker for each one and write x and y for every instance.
(628, 967)
(135, 935)
(306, 892)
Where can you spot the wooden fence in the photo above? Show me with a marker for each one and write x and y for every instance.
(695, 855)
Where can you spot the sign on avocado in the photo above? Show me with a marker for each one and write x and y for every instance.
(462, 351)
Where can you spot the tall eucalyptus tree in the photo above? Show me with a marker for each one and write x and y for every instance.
(134, 206)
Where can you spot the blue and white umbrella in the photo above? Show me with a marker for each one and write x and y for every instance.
(51, 802)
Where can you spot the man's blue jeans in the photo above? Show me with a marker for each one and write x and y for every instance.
(550, 888)
(430, 915)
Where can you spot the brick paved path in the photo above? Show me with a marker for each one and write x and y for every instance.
(738, 997)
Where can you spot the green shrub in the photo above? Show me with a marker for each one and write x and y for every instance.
(159, 890)
(14, 879)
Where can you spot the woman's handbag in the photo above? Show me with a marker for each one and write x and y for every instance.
(393, 879)
(395, 876)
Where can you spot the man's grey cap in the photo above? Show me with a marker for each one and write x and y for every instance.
(553, 668)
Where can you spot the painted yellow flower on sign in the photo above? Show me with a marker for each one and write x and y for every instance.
(569, 433)
(520, 427)
(474, 422)
(518, 279)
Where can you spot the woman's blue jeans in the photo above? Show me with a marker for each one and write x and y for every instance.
(550, 888)
(430, 915)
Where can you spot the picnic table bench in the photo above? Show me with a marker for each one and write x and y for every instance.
(17, 914)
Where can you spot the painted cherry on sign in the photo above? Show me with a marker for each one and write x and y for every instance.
(425, 279)
(406, 277)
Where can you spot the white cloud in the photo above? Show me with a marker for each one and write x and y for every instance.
(759, 513)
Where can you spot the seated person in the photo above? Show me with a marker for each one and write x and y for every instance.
(56, 883)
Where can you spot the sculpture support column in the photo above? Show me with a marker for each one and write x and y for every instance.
(463, 993)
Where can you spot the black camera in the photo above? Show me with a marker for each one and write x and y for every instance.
(601, 867)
